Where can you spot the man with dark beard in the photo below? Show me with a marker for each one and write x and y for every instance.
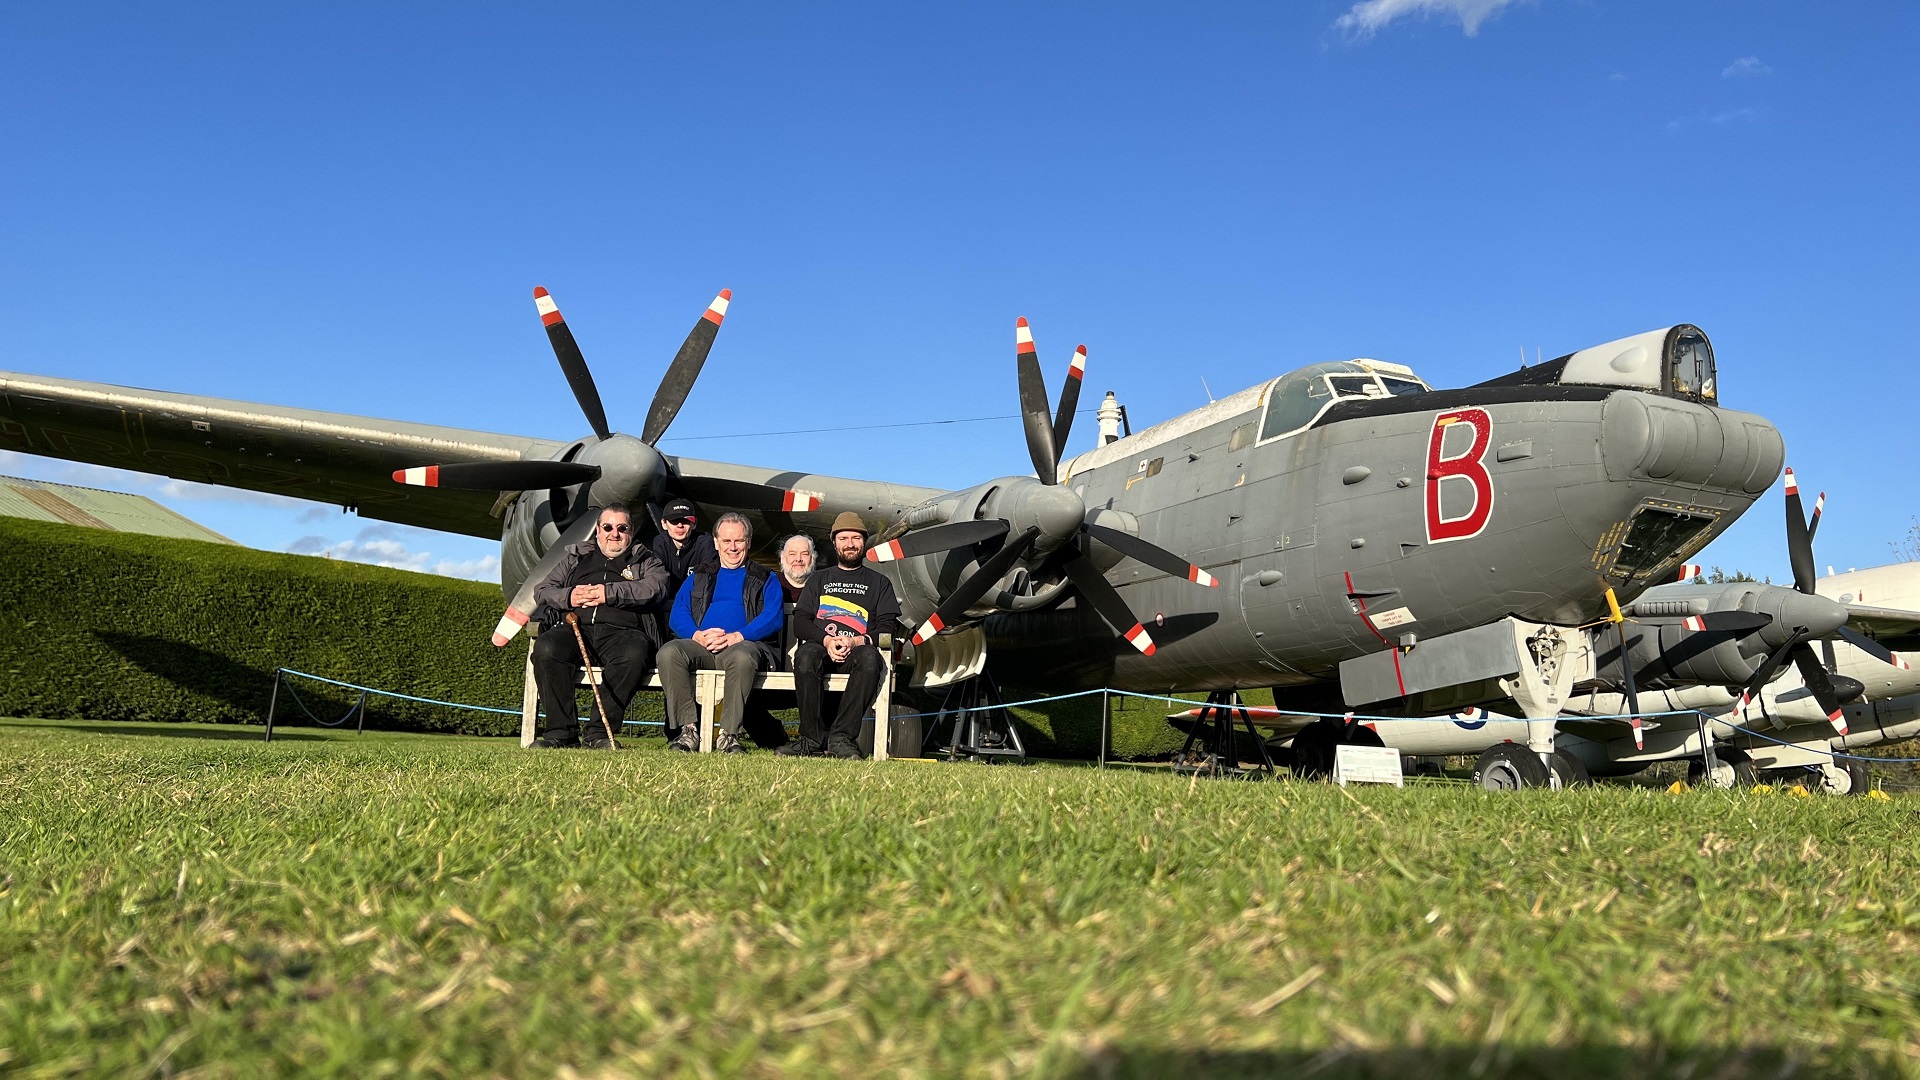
(618, 590)
(840, 616)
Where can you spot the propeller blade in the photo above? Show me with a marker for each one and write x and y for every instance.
(571, 362)
(1729, 622)
(678, 381)
(1069, 400)
(1799, 540)
(1814, 674)
(1689, 571)
(1153, 555)
(1819, 507)
(1769, 667)
(499, 475)
(1099, 592)
(937, 538)
(520, 608)
(1033, 406)
(1873, 648)
(975, 586)
(746, 495)
(1633, 694)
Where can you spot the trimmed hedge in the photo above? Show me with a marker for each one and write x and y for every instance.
(116, 626)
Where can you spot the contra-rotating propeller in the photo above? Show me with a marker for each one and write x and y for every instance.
(1059, 528)
(619, 467)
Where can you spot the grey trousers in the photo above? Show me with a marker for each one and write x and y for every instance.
(679, 659)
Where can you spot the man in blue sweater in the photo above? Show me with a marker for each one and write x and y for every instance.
(724, 618)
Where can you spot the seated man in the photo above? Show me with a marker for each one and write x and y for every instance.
(679, 544)
(618, 589)
(724, 617)
(796, 562)
(842, 612)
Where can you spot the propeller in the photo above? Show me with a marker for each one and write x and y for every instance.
(1058, 518)
(572, 363)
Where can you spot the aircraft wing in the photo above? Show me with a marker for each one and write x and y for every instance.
(302, 453)
(1896, 628)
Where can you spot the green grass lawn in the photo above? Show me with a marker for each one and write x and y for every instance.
(180, 901)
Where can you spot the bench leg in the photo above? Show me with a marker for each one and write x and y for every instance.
(710, 689)
(529, 701)
(883, 715)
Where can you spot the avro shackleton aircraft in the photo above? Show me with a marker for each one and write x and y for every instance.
(1345, 525)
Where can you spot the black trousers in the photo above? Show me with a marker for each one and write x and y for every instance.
(864, 670)
(624, 657)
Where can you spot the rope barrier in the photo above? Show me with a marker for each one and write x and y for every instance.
(402, 697)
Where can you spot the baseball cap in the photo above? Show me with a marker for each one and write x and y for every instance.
(679, 509)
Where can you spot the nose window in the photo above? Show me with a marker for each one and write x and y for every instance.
(1690, 366)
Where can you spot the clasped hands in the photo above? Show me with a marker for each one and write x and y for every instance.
(714, 639)
(584, 596)
(839, 646)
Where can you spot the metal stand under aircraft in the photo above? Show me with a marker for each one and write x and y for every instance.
(1213, 731)
(983, 729)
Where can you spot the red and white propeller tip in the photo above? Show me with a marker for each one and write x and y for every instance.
(1022, 336)
(1139, 639)
(1793, 486)
(1695, 623)
(508, 626)
(424, 476)
(1689, 571)
(1838, 718)
(887, 552)
(1195, 574)
(797, 501)
(1078, 369)
(928, 629)
(717, 310)
(543, 303)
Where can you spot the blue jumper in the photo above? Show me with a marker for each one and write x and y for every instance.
(728, 611)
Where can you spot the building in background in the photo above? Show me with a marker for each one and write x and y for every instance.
(39, 500)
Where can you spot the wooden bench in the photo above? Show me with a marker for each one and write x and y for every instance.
(710, 689)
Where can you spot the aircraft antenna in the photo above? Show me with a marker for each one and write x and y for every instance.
(1523, 357)
(1208, 389)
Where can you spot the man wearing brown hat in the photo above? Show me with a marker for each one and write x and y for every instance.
(839, 619)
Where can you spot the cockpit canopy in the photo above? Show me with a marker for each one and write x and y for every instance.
(1675, 361)
(1295, 400)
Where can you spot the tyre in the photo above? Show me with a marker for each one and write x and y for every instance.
(1845, 776)
(1510, 767)
(1735, 770)
(1313, 749)
(1568, 771)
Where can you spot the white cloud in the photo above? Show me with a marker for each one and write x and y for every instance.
(1366, 18)
(380, 545)
(1618, 76)
(1731, 116)
(1745, 67)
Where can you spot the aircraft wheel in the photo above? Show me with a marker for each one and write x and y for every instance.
(1570, 771)
(1510, 767)
(1313, 749)
(1736, 770)
(1844, 776)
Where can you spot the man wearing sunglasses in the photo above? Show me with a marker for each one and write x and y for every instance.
(680, 545)
(619, 590)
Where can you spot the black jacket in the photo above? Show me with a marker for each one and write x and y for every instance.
(699, 552)
(638, 589)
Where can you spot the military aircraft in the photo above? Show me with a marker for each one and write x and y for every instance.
(1344, 515)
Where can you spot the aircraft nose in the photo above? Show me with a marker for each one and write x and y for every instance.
(1818, 614)
(1648, 437)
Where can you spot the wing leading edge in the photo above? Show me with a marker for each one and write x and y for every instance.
(326, 457)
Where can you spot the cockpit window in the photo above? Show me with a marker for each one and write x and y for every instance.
(1690, 365)
(1294, 401)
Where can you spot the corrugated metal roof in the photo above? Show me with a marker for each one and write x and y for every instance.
(40, 500)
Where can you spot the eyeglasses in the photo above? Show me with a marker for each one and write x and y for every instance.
(679, 521)
(615, 530)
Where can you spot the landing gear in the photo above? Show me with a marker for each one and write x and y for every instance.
(1568, 771)
(1314, 746)
(1733, 769)
(982, 727)
(1845, 776)
(1213, 748)
(1510, 767)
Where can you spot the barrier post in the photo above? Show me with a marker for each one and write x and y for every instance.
(361, 727)
(1106, 718)
(273, 702)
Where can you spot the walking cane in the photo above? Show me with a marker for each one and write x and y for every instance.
(573, 621)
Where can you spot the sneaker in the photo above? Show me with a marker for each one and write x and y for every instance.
(725, 742)
(552, 741)
(688, 741)
(801, 747)
(844, 748)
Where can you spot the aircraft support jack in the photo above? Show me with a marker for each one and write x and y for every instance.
(983, 729)
(1214, 731)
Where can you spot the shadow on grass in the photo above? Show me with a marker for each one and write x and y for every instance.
(195, 669)
(225, 732)
(1498, 1060)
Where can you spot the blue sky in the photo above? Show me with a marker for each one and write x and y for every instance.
(346, 207)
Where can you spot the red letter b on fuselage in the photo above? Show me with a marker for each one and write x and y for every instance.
(1465, 470)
